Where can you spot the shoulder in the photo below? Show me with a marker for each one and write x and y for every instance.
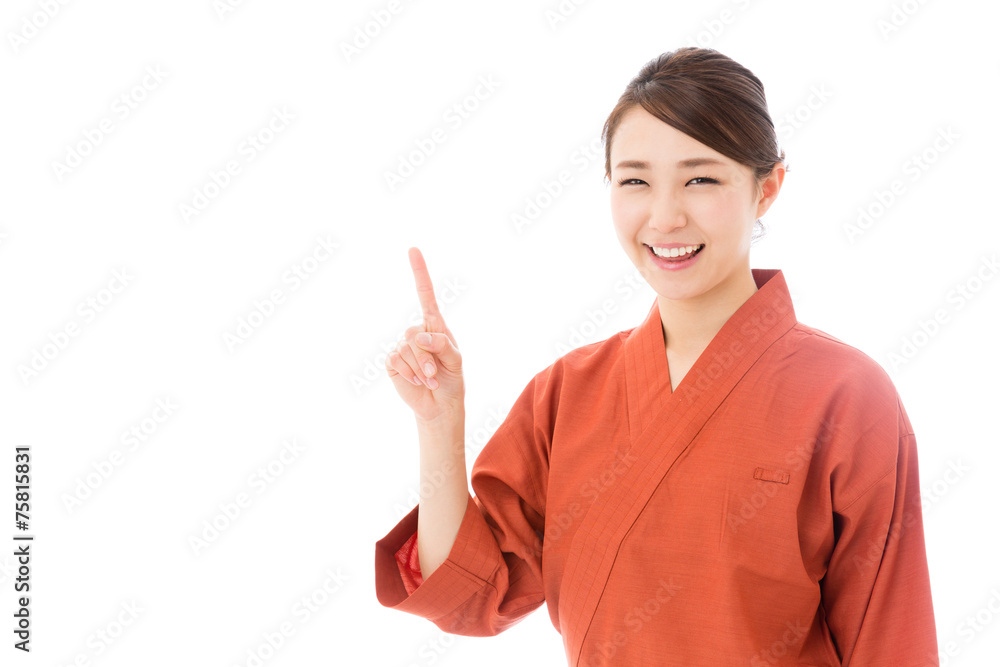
(827, 361)
(589, 361)
(579, 372)
(863, 424)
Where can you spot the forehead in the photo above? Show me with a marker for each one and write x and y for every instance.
(642, 136)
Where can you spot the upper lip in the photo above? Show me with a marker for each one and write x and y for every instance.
(672, 245)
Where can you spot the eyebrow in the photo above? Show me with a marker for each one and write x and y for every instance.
(690, 163)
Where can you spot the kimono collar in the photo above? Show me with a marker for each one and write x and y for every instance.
(761, 320)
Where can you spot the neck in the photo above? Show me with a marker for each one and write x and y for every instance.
(689, 325)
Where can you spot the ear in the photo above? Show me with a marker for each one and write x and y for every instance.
(770, 188)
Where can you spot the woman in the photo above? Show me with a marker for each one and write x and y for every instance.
(721, 485)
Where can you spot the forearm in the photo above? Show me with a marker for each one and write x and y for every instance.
(444, 489)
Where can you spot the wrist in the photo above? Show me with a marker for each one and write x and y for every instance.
(446, 419)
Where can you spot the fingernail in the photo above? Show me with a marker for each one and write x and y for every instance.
(415, 380)
(432, 383)
(424, 338)
(429, 368)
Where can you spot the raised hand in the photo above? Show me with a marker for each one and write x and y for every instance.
(427, 375)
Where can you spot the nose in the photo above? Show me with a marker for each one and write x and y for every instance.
(666, 214)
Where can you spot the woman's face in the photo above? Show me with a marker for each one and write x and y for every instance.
(658, 200)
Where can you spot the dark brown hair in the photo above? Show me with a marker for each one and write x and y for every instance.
(709, 97)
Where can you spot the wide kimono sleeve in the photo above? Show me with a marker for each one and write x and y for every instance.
(876, 592)
(492, 577)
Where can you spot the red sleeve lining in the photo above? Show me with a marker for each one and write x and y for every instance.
(409, 564)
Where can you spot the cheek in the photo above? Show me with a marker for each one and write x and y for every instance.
(623, 233)
(719, 225)
(720, 208)
(627, 211)
(720, 216)
(623, 216)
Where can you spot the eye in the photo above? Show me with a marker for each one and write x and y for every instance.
(703, 178)
(623, 181)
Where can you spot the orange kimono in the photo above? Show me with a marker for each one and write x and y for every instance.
(767, 512)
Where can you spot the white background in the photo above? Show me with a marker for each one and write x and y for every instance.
(514, 298)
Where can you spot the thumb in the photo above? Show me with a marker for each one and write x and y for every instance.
(442, 347)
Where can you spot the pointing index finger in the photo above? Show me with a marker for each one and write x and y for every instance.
(433, 321)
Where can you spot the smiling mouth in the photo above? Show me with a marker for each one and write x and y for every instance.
(680, 257)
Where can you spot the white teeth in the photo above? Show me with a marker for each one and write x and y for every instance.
(675, 252)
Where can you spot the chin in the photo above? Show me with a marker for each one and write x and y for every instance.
(679, 292)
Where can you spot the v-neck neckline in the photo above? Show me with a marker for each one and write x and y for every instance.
(647, 371)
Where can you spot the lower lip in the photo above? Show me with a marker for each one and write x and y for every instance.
(673, 264)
